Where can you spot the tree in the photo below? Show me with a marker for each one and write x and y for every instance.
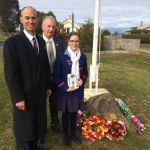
(104, 33)
(86, 35)
(9, 11)
(62, 34)
(134, 30)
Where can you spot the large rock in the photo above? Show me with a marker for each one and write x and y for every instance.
(105, 105)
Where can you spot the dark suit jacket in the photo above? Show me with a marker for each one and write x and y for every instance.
(71, 101)
(59, 45)
(27, 77)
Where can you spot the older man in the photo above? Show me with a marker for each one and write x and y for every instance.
(54, 46)
(27, 75)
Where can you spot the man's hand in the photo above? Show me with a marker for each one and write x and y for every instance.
(49, 92)
(21, 105)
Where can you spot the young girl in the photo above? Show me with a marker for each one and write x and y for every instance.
(70, 74)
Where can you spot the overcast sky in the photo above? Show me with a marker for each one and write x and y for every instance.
(114, 13)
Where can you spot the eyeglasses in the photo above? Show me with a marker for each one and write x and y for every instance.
(72, 41)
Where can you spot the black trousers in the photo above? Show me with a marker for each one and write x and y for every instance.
(69, 121)
(31, 144)
(53, 106)
(26, 145)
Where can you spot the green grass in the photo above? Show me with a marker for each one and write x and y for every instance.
(125, 76)
(3, 38)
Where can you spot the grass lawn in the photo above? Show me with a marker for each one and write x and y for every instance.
(2, 38)
(125, 76)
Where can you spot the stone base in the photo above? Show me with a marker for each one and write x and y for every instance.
(90, 93)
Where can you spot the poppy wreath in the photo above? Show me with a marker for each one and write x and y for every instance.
(95, 127)
(117, 130)
(81, 117)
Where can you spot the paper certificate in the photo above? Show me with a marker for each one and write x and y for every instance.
(72, 81)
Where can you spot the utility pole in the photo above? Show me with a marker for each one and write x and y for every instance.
(72, 21)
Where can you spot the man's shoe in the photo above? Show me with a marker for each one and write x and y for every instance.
(76, 139)
(67, 140)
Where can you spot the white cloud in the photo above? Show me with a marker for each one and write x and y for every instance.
(116, 13)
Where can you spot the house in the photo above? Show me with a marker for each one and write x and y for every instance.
(142, 29)
(69, 23)
(145, 30)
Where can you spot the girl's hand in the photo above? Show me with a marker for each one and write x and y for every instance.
(70, 89)
(80, 82)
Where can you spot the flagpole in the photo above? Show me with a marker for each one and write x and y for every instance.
(95, 39)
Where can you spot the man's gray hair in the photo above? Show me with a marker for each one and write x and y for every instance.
(27, 7)
(49, 17)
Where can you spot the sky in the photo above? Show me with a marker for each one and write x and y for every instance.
(113, 13)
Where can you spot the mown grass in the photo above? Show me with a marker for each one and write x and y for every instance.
(2, 38)
(125, 76)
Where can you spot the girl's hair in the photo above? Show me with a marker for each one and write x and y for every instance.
(73, 33)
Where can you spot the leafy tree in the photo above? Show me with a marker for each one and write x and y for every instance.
(103, 34)
(9, 12)
(86, 35)
(62, 34)
(106, 32)
(135, 31)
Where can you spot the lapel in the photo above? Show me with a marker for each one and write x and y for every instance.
(28, 46)
(31, 53)
(56, 45)
(40, 46)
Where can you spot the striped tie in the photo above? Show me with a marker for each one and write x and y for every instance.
(35, 46)
(50, 54)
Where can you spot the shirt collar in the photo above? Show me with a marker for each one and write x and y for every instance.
(46, 39)
(29, 36)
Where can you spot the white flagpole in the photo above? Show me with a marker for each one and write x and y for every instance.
(95, 40)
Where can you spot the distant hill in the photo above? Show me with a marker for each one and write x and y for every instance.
(119, 30)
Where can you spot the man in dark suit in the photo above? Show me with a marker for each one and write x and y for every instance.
(27, 75)
(54, 47)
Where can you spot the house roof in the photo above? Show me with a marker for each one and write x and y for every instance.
(69, 21)
(146, 28)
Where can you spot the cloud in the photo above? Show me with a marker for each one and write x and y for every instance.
(125, 13)
(118, 13)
